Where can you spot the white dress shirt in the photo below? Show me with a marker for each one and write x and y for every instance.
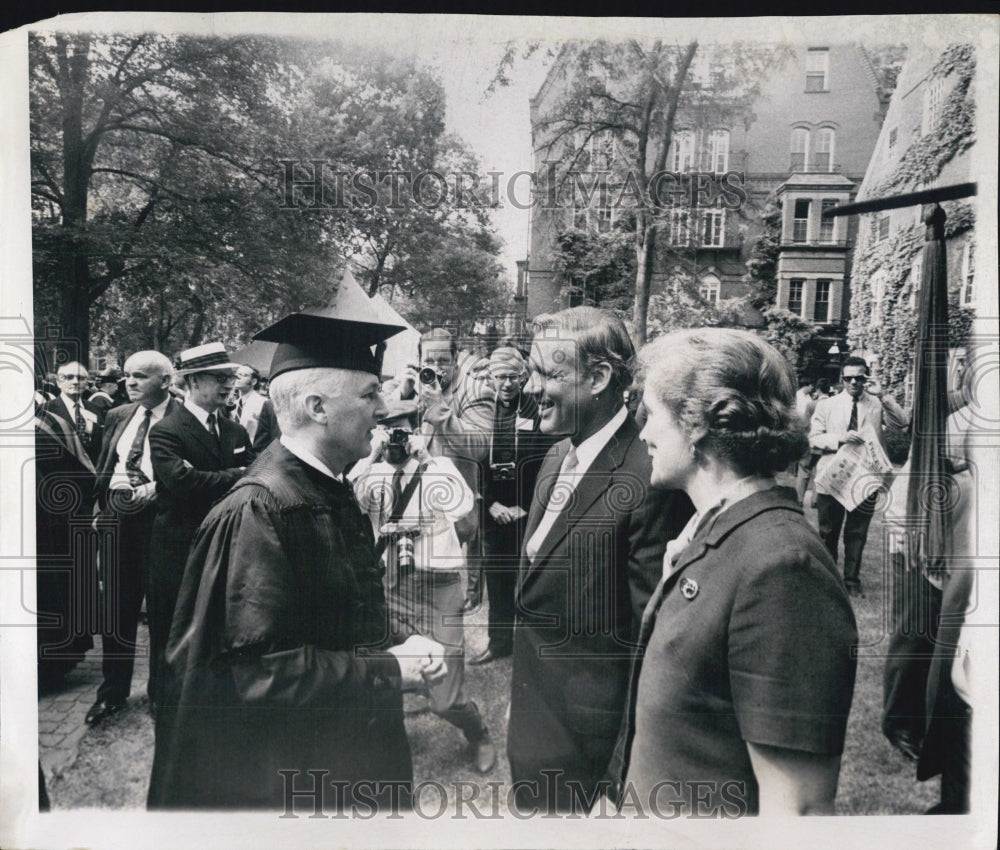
(441, 499)
(119, 478)
(566, 483)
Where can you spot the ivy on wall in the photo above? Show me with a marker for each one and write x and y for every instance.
(889, 328)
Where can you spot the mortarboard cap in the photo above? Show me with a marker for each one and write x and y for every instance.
(348, 334)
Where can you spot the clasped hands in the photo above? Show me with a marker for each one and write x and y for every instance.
(421, 661)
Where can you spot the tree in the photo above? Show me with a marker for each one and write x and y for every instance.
(618, 111)
(151, 155)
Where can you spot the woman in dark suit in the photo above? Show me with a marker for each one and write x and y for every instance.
(739, 701)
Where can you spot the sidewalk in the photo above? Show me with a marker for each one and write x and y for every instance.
(61, 714)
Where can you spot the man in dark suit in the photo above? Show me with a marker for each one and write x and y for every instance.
(70, 405)
(197, 456)
(125, 494)
(593, 552)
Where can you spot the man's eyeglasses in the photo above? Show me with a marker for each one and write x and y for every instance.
(222, 378)
(73, 377)
(855, 379)
(507, 379)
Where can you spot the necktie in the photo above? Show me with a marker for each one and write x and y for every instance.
(397, 489)
(853, 424)
(81, 424)
(213, 430)
(133, 462)
(239, 410)
(559, 497)
(571, 460)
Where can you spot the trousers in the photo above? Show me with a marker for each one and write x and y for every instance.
(832, 516)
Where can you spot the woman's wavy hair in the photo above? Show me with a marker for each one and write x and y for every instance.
(733, 394)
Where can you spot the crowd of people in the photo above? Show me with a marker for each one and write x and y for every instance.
(308, 541)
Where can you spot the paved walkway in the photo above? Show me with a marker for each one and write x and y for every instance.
(61, 713)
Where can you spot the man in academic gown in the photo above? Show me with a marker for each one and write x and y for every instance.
(285, 671)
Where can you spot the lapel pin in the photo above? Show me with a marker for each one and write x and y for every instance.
(689, 588)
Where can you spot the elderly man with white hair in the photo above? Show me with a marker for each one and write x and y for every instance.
(285, 671)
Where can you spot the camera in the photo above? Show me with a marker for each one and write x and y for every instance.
(398, 449)
(429, 376)
(502, 471)
(402, 543)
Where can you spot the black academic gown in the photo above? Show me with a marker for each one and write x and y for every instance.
(275, 658)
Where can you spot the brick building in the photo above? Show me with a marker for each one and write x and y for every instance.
(812, 132)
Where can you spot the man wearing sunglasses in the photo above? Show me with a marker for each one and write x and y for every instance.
(846, 418)
(197, 455)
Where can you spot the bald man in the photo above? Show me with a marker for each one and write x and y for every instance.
(126, 496)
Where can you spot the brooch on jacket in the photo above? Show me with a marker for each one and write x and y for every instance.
(689, 588)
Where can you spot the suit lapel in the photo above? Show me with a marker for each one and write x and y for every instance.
(114, 435)
(199, 432)
(592, 486)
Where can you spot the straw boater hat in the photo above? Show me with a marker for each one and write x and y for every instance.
(210, 357)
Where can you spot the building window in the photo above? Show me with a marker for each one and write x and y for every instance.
(718, 151)
(968, 273)
(678, 228)
(800, 148)
(682, 151)
(817, 69)
(821, 312)
(823, 158)
(827, 225)
(890, 148)
(880, 228)
(800, 224)
(795, 289)
(713, 228)
(877, 284)
(908, 388)
(604, 219)
(933, 99)
(709, 288)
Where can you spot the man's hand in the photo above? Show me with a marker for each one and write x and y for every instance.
(852, 437)
(421, 661)
(501, 513)
(380, 439)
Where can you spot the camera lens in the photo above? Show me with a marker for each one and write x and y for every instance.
(427, 375)
(404, 552)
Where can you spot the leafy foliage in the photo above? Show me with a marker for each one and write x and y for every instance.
(159, 188)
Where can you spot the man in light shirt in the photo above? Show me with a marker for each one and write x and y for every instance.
(125, 494)
(424, 559)
(595, 540)
(248, 400)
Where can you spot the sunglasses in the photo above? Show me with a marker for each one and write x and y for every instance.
(855, 379)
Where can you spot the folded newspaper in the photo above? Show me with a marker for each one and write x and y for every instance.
(856, 472)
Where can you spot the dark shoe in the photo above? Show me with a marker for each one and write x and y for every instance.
(854, 590)
(903, 742)
(484, 754)
(100, 710)
(489, 655)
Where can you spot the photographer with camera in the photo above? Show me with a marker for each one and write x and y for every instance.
(414, 501)
(456, 419)
(517, 449)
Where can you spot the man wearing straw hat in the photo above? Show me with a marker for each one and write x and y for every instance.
(197, 456)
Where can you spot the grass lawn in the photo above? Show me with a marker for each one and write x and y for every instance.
(114, 760)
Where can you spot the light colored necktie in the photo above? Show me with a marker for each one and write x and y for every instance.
(559, 498)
